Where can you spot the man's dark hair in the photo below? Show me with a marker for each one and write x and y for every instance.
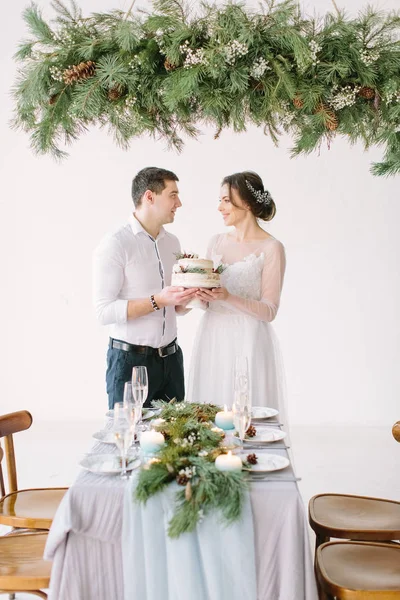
(150, 178)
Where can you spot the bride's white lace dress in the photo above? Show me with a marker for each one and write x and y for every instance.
(241, 325)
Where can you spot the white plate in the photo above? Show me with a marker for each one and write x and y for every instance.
(266, 462)
(148, 413)
(265, 435)
(105, 435)
(263, 412)
(108, 464)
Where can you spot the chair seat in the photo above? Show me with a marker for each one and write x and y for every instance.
(355, 517)
(357, 567)
(33, 509)
(21, 562)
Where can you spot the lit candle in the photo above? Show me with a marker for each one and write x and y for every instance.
(224, 419)
(151, 441)
(228, 462)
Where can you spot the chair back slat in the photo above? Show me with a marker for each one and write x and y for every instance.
(11, 466)
(9, 424)
(2, 488)
(15, 422)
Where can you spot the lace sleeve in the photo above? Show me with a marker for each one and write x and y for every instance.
(271, 287)
(212, 244)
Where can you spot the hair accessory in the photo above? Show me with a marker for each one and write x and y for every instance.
(261, 197)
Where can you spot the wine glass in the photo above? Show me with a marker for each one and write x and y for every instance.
(123, 430)
(140, 387)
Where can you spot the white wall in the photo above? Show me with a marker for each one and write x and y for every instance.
(338, 322)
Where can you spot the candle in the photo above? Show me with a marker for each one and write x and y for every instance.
(228, 462)
(151, 441)
(224, 419)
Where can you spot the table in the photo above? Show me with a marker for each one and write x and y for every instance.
(85, 540)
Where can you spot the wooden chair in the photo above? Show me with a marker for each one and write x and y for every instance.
(22, 568)
(355, 517)
(348, 570)
(31, 508)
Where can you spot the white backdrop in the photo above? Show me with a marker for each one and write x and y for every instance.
(338, 323)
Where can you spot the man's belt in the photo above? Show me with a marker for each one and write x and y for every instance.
(149, 350)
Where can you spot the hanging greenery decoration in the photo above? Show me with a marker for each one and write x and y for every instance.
(167, 72)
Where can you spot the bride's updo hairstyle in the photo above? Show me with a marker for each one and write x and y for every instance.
(251, 190)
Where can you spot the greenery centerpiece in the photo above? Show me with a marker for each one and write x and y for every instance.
(166, 72)
(188, 456)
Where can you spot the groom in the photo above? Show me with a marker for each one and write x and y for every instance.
(132, 291)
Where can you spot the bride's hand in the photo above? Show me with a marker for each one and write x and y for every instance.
(212, 295)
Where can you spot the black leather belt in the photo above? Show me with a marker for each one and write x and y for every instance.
(149, 350)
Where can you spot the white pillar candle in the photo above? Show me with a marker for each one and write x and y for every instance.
(151, 441)
(228, 462)
(224, 419)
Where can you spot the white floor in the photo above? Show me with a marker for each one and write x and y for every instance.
(354, 460)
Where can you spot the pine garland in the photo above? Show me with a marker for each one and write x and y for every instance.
(168, 72)
(197, 270)
(187, 457)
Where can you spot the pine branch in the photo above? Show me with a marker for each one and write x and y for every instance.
(67, 15)
(37, 25)
(129, 11)
(171, 8)
(164, 74)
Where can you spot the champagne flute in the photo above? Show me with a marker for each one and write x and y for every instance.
(241, 374)
(123, 429)
(129, 402)
(140, 388)
(140, 385)
(241, 418)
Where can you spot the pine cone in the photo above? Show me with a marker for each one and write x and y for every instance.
(53, 99)
(168, 65)
(78, 72)
(331, 120)
(256, 85)
(252, 431)
(252, 459)
(298, 102)
(367, 93)
(201, 416)
(114, 93)
(182, 479)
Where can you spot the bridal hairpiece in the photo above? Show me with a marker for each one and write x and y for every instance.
(261, 197)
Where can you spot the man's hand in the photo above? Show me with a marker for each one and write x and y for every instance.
(213, 295)
(175, 296)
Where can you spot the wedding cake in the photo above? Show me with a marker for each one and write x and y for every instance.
(193, 272)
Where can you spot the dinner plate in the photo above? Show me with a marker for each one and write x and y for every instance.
(105, 435)
(266, 463)
(265, 435)
(263, 412)
(147, 413)
(108, 464)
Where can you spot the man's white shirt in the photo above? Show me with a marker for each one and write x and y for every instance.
(129, 264)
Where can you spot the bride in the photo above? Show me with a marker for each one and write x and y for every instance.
(238, 319)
